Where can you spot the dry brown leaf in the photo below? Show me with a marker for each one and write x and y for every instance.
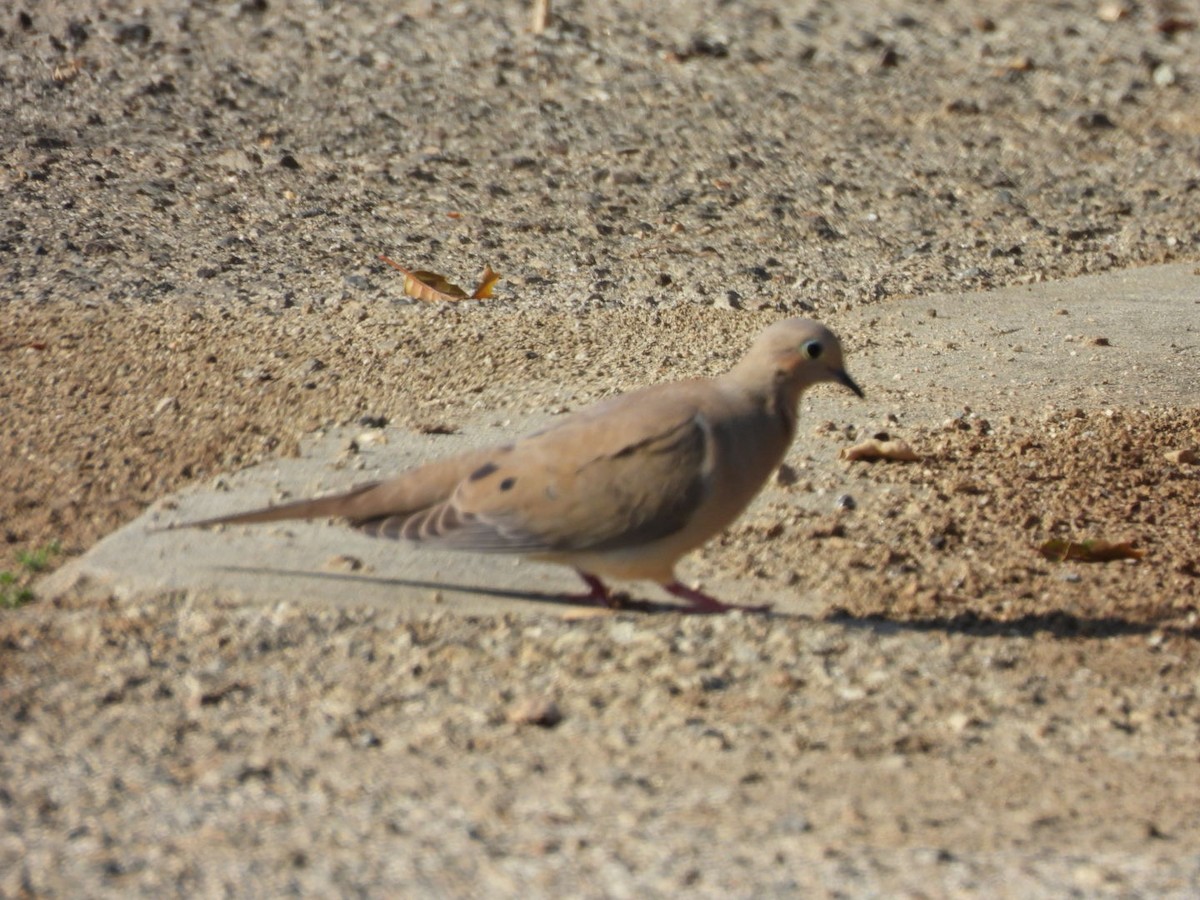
(1060, 550)
(873, 449)
(428, 286)
(487, 281)
(1184, 457)
(434, 288)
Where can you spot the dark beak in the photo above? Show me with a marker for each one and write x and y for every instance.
(844, 379)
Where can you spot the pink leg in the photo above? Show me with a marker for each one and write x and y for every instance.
(598, 592)
(703, 603)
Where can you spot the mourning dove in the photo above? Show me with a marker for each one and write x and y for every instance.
(620, 489)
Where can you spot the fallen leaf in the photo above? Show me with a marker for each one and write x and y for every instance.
(487, 281)
(434, 288)
(872, 449)
(428, 286)
(1060, 550)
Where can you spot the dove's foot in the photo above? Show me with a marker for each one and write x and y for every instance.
(605, 599)
(703, 604)
(599, 593)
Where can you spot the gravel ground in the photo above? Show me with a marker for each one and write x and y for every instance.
(194, 197)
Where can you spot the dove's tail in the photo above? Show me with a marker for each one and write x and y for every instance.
(409, 492)
(336, 506)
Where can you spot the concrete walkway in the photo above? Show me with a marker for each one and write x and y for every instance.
(1125, 339)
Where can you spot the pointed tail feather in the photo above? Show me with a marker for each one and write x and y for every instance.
(378, 507)
(336, 506)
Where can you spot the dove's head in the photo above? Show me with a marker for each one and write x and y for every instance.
(792, 355)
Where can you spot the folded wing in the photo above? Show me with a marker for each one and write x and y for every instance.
(619, 477)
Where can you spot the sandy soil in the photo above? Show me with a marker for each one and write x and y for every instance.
(193, 199)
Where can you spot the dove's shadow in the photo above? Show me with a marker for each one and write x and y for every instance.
(625, 603)
(1057, 623)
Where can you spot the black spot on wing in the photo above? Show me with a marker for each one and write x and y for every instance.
(483, 471)
(507, 484)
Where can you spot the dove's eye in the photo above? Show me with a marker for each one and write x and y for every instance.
(812, 349)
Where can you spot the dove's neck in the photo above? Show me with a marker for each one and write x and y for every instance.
(771, 389)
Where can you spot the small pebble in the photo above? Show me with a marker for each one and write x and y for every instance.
(374, 438)
(166, 404)
(1164, 75)
(541, 711)
(1095, 121)
(1112, 11)
(343, 563)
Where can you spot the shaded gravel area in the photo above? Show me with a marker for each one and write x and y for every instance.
(264, 154)
(192, 199)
